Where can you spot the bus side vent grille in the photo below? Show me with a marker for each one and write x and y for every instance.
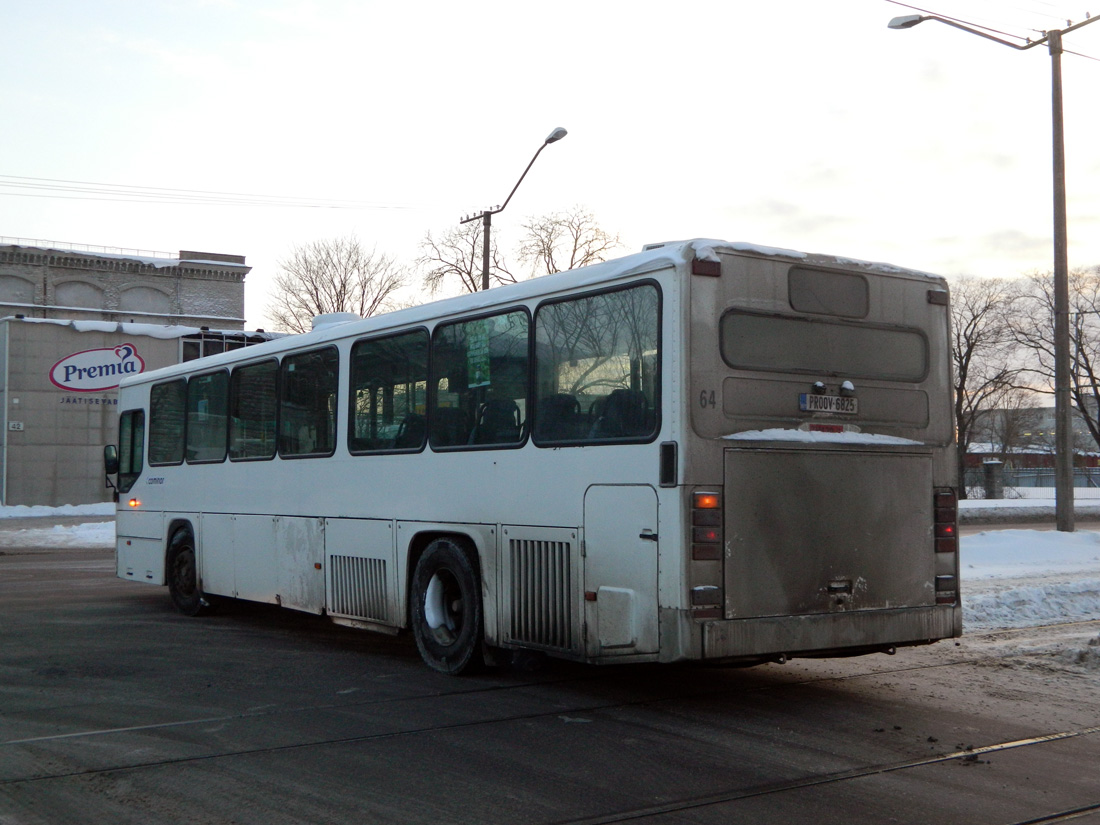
(358, 587)
(541, 589)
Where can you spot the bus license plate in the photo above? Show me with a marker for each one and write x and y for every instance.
(840, 405)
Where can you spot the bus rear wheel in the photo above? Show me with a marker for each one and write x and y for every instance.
(183, 576)
(447, 617)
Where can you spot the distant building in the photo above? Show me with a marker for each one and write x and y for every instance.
(194, 289)
(75, 321)
(1024, 437)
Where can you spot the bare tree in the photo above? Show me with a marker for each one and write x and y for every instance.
(457, 255)
(1033, 328)
(553, 243)
(565, 240)
(335, 275)
(1016, 424)
(982, 353)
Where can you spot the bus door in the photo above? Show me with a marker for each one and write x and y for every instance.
(620, 570)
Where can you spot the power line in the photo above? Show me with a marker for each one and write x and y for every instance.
(1026, 39)
(19, 186)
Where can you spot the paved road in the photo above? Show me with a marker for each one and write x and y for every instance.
(115, 709)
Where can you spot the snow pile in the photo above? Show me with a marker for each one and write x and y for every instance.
(1024, 578)
(1086, 657)
(92, 534)
(106, 508)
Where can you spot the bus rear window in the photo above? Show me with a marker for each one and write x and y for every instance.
(776, 343)
(825, 292)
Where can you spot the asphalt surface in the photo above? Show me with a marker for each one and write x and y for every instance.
(115, 709)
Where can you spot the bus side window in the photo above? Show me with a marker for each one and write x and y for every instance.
(252, 402)
(479, 382)
(389, 389)
(167, 404)
(307, 403)
(207, 403)
(131, 445)
(597, 367)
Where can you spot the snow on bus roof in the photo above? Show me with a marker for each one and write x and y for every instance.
(815, 437)
(652, 258)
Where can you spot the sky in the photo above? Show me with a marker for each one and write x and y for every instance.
(793, 123)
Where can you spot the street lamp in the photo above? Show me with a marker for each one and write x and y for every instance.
(487, 215)
(1063, 420)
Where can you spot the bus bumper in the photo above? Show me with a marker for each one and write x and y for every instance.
(829, 633)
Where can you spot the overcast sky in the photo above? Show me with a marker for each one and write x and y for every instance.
(797, 123)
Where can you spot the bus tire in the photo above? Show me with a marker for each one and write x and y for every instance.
(183, 575)
(447, 619)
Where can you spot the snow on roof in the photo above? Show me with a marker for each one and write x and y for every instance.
(165, 331)
(158, 261)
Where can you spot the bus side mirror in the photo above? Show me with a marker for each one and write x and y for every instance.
(110, 459)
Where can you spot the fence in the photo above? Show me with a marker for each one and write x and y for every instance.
(1035, 482)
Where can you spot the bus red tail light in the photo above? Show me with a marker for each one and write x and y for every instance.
(946, 520)
(707, 539)
(706, 501)
(706, 526)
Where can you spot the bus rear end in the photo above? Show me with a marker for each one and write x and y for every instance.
(820, 461)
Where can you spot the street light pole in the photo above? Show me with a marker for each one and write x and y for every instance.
(1063, 411)
(487, 215)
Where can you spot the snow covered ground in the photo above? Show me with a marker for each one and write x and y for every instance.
(1024, 578)
(1011, 578)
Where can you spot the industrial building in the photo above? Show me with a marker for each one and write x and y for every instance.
(73, 322)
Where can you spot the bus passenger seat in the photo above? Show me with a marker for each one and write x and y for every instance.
(448, 427)
(410, 434)
(625, 415)
(558, 418)
(497, 422)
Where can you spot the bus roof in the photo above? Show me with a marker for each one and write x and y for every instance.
(652, 258)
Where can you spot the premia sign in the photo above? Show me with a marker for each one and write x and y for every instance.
(94, 370)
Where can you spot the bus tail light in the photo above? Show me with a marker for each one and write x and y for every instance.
(945, 524)
(706, 526)
(707, 540)
(946, 520)
(706, 595)
(946, 590)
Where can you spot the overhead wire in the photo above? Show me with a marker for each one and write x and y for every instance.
(21, 186)
(991, 29)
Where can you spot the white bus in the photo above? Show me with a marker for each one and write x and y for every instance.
(705, 451)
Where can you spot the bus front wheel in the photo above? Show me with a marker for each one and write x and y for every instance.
(183, 576)
(446, 609)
